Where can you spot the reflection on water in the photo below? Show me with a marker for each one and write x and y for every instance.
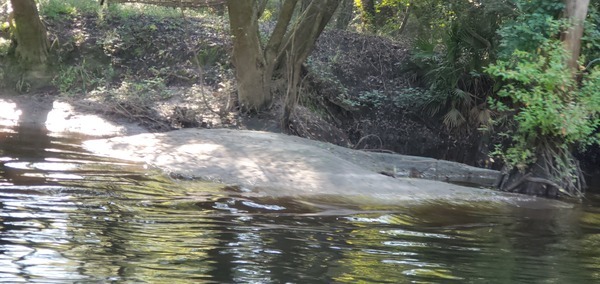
(67, 216)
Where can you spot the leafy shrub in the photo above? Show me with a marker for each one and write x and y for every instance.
(549, 106)
(535, 23)
(450, 61)
(81, 77)
(538, 21)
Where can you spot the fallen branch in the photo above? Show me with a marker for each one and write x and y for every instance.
(378, 151)
(549, 183)
(518, 182)
(367, 136)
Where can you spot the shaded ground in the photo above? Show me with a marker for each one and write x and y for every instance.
(128, 67)
(365, 83)
(174, 72)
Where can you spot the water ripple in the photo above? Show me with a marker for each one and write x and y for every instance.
(70, 217)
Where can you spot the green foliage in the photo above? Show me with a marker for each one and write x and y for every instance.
(410, 99)
(372, 98)
(539, 21)
(5, 46)
(132, 10)
(590, 41)
(266, 16)
(549, 105)
(386, 16)
(211, 55)
(535, 23)
(367, 13)
(82, 77)
(56, 9)
(128, 10)
(322, 71)
(142, 91)
(451, 64)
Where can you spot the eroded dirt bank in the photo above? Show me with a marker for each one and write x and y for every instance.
(278, 165)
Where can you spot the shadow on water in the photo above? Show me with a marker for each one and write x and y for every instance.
(27, 140)
(67, 216)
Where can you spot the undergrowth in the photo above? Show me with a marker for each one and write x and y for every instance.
(553, 112)
(100, 46)
(140, 62)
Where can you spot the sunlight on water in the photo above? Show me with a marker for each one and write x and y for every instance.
(9, 113)
(67, 216)
(59, 120)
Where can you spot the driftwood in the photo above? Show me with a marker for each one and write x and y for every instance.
(173, 3)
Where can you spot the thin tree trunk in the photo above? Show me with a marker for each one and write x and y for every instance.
(273, 48)
(30, 33)
(368, 14)
(575, 11)
(291, 96)
(299, 44)
(301, 40)
(304, 4)
(405, 19)
(344, 14)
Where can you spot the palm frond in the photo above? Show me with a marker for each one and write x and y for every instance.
(484, 117)
(453, 119)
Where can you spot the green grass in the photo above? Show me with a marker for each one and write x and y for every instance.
(159, 12)
(127, 28)
(132, 9)
(56, 9)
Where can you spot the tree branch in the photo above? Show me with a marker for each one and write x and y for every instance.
(310, 25)
(283, 21)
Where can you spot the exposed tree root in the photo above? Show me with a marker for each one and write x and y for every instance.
(555, 172)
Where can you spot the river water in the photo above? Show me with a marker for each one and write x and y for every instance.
(67, 216)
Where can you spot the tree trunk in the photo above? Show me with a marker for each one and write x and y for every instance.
(299, 45)
(304, 5)
(344, 14)
(368, 14)
(274, 49)
(250, 65)
(255, 65)
(405, 19)
(30, 33)
(301, 40)
(575, 11)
